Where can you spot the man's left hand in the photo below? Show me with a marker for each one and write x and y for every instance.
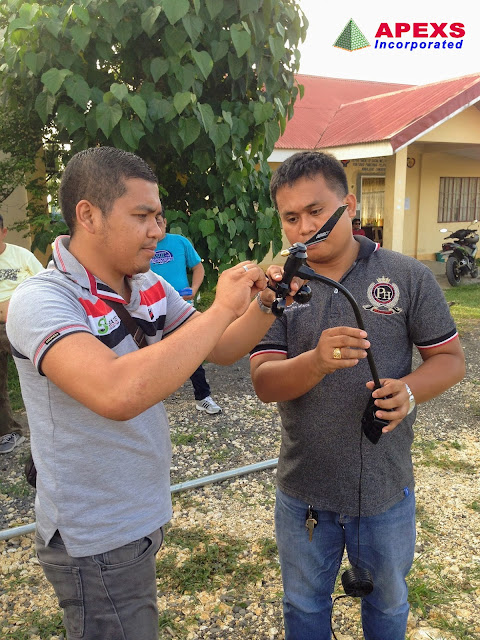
(397, 402)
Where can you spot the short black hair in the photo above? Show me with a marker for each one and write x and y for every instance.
(1, 221)
(98, 175)
(356, 220)
(308, 164)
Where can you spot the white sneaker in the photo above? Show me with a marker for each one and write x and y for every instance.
(9, 441)
(208, 405)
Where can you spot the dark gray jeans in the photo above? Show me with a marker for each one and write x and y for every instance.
(109, 596)
(7, 421)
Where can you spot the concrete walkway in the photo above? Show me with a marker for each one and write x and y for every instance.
(438, 269)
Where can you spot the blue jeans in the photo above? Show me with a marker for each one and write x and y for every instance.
(109, 596)
(309, 569)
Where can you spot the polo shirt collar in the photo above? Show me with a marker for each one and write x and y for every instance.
(65, 262)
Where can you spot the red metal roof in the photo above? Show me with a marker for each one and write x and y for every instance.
(321, 100)
(398, 113)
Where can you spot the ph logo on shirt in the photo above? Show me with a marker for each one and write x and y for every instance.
(163, 256)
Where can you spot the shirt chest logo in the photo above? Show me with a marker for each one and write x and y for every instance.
(163, 256)
(383, 296)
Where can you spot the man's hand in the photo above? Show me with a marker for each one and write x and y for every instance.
(339, 348)
(398, 401)
(275, 275)
(238, 285)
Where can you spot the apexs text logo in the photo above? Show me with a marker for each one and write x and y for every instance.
(404, 35)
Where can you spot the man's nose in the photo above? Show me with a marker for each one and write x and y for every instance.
(307, 225)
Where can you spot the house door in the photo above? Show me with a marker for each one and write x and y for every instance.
(373, 204)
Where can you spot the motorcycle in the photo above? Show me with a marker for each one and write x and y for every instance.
(461, 252)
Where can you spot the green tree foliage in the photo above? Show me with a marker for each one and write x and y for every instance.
(201, 89)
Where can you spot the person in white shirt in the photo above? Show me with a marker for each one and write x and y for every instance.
(16, 264)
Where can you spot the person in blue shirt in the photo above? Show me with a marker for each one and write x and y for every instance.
(174, 256)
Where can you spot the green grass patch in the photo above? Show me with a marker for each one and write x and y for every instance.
(426, 590)
(475, 505)
(212, 561)
(18, 489)
(428, 453)
(34, 623)
(466, 307)
(13, 384)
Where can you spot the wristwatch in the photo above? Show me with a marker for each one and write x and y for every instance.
(411, 399)
(263, 307)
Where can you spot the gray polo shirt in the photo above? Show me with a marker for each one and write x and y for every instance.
(101, 483)
(321, 450)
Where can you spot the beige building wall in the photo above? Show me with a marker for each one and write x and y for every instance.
(435, 166)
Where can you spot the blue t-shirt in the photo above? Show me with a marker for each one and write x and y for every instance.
(173, 256)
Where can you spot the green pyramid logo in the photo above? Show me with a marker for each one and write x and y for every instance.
(351, 38)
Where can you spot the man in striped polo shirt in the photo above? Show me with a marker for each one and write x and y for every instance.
(99, 430)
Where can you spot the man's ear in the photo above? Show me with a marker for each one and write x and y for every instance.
(351, 200)
(87, 215)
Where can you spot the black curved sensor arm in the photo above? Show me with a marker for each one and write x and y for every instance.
(295, 265)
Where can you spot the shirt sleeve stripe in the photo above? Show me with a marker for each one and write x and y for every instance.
(180, 319)
(438, 341)
(267, 348)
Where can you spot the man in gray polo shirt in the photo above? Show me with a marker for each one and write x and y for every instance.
(99, 431)
(336, 489)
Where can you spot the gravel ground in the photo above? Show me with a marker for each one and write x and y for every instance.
(218, 570)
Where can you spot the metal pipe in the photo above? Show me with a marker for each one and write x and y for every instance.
(6, 534)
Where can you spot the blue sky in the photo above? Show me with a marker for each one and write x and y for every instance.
(327, 20)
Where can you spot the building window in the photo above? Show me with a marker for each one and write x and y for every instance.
(373, 201)
(459, 199)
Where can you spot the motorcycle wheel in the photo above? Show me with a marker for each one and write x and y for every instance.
(474, 272)
(453, 271)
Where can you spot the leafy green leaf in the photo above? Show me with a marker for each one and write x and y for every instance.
(249, 6)
(194, 26)
(139, 105)
(272, 133)
(188, 130)
(44, 104)
(175, 9)
(207, 115)
(35, 61)
(132, 132)
(202, 160)
(124, 32)
(212, 243)
(120, 91)
(78, 90)
(54, 78)
(108, 117)
(277, 47)
(235, 65)
(81, 13)
(181, 100)
(148, 20)
(70, 118)
(219, 134)
(81, 36)
(176, 37)
(204, 62)
(262, 111)
(242, 41)
(214, 7)
(207, 227)
(158, 68)
(219, 50)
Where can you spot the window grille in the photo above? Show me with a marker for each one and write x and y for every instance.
(459, 200)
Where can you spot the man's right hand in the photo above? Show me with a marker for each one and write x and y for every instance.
(340, 348)
(237, 286)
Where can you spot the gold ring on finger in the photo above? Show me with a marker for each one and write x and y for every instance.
(337, 354)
